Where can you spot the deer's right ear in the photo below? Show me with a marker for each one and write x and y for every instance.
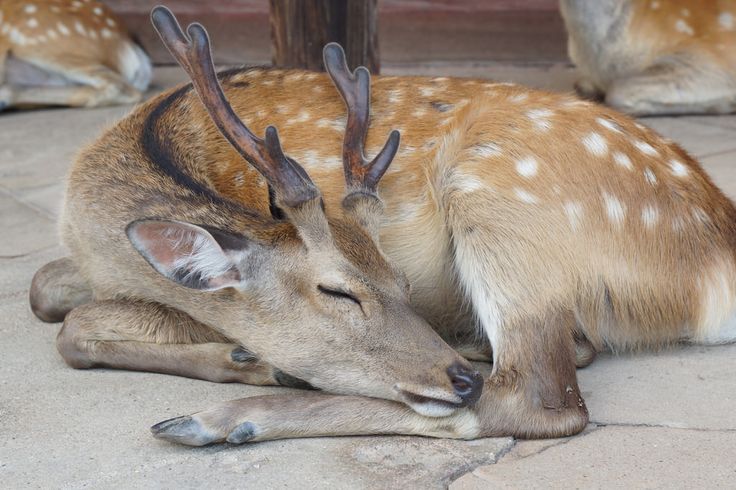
(189, 255)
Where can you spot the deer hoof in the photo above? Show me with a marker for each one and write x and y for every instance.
(184, 430)
(242, 433)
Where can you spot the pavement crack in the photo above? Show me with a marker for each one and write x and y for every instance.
(659, 426)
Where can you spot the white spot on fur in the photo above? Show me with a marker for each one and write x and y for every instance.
(106, 33)
(419, 112)
(682, 26)
(610, 125)
(30, 8)
(596, 144)
(487, 150)
(97, 10)
(615, 209)
(650, 215)
(519, 97)
(427, 91)
(527, 167)
(574, 213)
(678, 168)
(51, 34)
(525, 196)
(540, 118)
(239, 179)
(79, 28)
(32, 22)
(622, 160)
(649, 176)
(110, 22)
(725, 20)
(395, 96)
(654, 5)
(466, 183)
(645, 148)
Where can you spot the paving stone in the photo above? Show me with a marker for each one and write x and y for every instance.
(25, 229)
(700, 140)
(618, 457)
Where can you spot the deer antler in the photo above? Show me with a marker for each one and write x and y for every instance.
(361, 175)
(288, 179)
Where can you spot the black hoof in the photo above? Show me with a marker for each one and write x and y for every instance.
(183, 430)
(285, 379)
(241, 355)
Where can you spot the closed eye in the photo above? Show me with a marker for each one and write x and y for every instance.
(336, 293)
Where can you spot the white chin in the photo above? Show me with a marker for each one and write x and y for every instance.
(430, 409)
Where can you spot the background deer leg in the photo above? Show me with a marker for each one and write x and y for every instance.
(678, 84)
(150, 337)
(88, 86)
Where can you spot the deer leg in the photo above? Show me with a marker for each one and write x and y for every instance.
(532, 394)
(150, 337)
(57, 288)
(88, 87)
(675, 85)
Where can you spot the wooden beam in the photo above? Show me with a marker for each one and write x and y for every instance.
(301, 28)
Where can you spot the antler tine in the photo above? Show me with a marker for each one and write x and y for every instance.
(289, 180)
(360, 174)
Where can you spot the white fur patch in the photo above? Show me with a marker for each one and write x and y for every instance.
(725, 20)
(595, 144)
(649, 176)
(678, 168)
(525, 196)
(574, 213)
(682, 26)
(717, 319)
(645, 148)
(609, 125)
(615, 209)
(649, 215)
(540, 118)
(623, 160)
(527, 167)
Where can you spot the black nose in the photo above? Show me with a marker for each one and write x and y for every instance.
(467, 383)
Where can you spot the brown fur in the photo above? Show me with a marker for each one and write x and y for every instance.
(655, 56)
(579, 243)
(63, 52)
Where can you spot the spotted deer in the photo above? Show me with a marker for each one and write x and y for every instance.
(534, 229)
(654, 57)
(67, 53)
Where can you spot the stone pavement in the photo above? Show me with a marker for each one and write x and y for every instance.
(664, 419)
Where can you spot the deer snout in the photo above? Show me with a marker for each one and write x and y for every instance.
(466, 382)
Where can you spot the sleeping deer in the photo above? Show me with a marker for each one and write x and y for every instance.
(521, 227)
(653, 57)
(68, 53)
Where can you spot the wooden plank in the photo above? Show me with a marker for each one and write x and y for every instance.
(300, 28)
(409, 30)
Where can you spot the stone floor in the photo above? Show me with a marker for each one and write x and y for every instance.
(659, 420)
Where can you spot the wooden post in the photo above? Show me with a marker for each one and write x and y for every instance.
(301, 28)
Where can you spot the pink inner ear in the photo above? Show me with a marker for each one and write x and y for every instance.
(165, 242)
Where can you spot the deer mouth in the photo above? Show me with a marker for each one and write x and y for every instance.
(432, 403)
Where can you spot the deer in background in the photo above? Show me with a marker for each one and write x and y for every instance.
(67, 53)
(655, 57)
(521, 227)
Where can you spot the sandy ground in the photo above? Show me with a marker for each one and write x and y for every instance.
(658, 420)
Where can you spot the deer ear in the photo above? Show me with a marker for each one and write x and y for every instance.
(189, 255)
